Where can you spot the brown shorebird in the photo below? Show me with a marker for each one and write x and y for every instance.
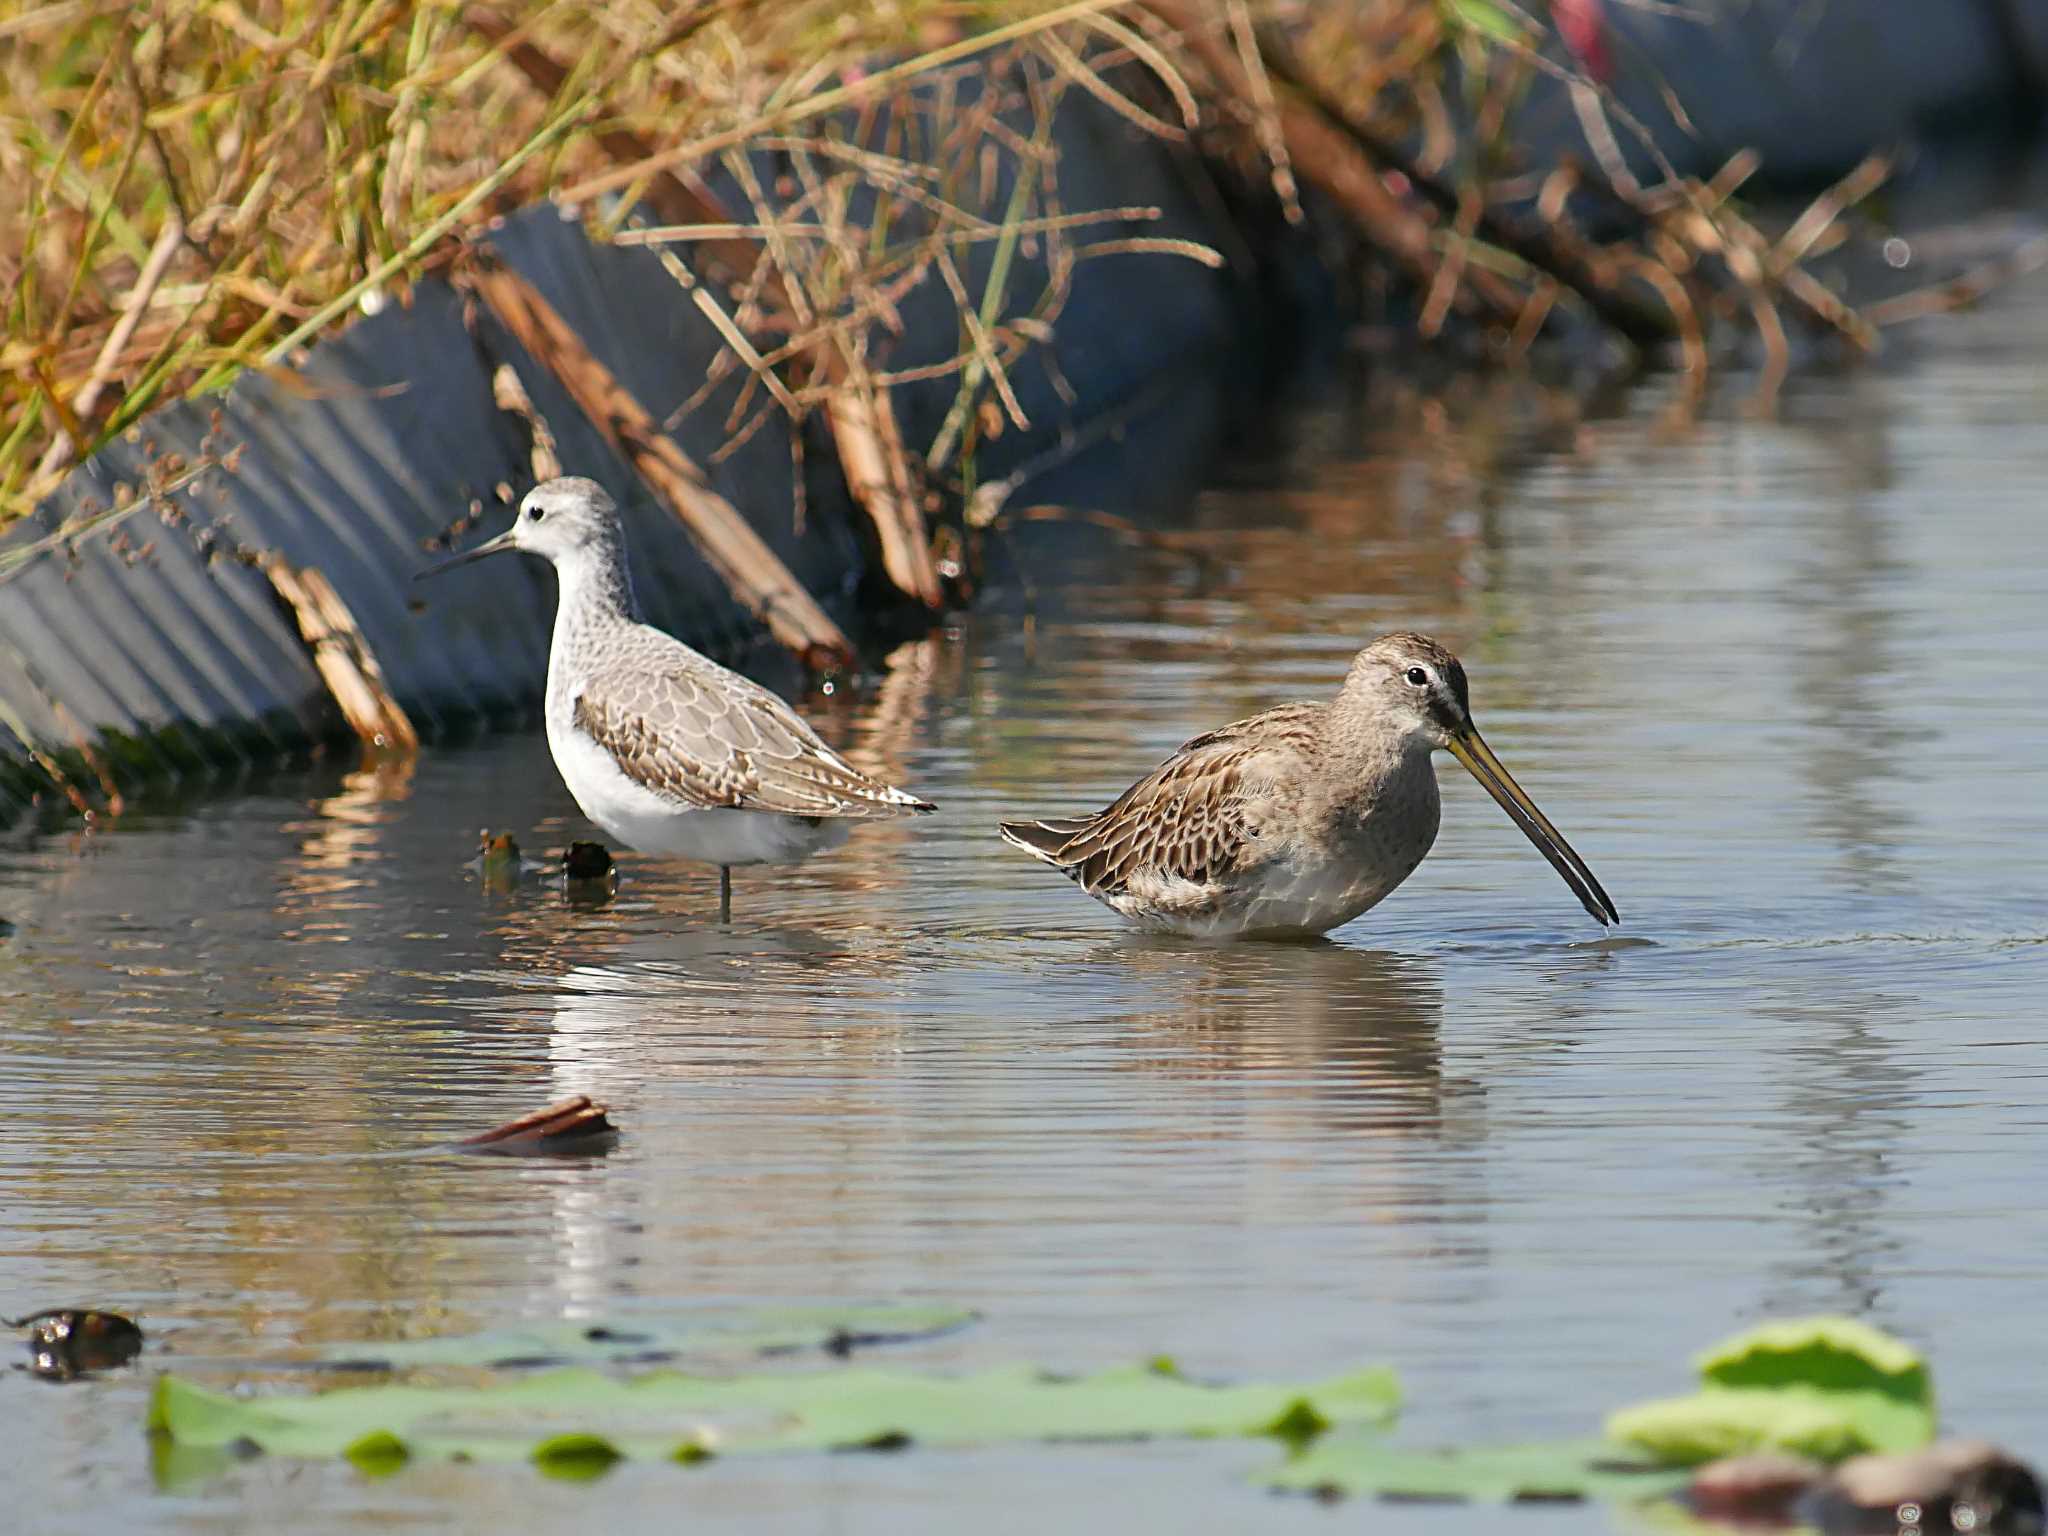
(1295, 821)
(665, 749)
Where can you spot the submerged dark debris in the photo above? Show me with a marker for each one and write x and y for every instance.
(589, 877)
(65, 1343)
(587, 861)
(1953, 1485)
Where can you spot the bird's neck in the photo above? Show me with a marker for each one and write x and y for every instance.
(1368, 746)
(597, 589)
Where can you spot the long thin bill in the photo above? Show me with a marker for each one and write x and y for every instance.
(1470, 748)
(495, 546)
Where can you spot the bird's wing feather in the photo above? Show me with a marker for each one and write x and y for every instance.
(1186, 819)
(691, 732)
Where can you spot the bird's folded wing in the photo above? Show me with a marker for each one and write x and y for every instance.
(1189, 818)
(700, 743)
(1184, 821)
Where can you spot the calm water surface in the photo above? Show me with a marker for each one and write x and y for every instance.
(1780, 681)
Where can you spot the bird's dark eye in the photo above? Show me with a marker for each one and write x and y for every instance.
(1417, 678)
(535, 514)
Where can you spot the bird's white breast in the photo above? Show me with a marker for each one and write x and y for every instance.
(651, 823)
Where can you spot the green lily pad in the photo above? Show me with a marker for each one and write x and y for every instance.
(648, 1338)
(1835, 1354)
(1825, 1387)
(575, 1416)
(1821, 1387)
(1565, 1471)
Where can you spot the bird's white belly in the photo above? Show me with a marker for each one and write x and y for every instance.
(648, 823)
(1282, 902)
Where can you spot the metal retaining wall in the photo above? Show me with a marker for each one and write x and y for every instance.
(151, 638)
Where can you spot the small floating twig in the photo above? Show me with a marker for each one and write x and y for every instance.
(573, 1125)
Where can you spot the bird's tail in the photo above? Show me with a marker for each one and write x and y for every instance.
(1045, 841)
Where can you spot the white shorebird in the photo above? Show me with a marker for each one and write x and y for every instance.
(663, 748)
(1295, 821)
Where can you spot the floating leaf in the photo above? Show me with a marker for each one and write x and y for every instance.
(1564, 1471)
(1719, 1421)
(1826, 1387)
(651, 1338)
(1836, 1354)
(668, 1414)
(1822, 1387)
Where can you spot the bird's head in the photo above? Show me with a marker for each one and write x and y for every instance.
(558, 520)
(1409, 686)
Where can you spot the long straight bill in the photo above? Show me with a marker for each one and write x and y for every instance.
(495, 546)
(1470, 748)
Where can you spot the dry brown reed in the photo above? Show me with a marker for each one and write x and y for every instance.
(200, 189)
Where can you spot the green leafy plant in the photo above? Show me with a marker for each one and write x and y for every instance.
(1827, 1387)
(1560, 1471)
(573, 1420)
(1822, 1387)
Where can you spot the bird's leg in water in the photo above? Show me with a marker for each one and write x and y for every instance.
(725, 893)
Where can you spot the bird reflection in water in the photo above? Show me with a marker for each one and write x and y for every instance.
(1355, 1030)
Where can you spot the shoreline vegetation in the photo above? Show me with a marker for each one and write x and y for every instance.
(205, 190)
